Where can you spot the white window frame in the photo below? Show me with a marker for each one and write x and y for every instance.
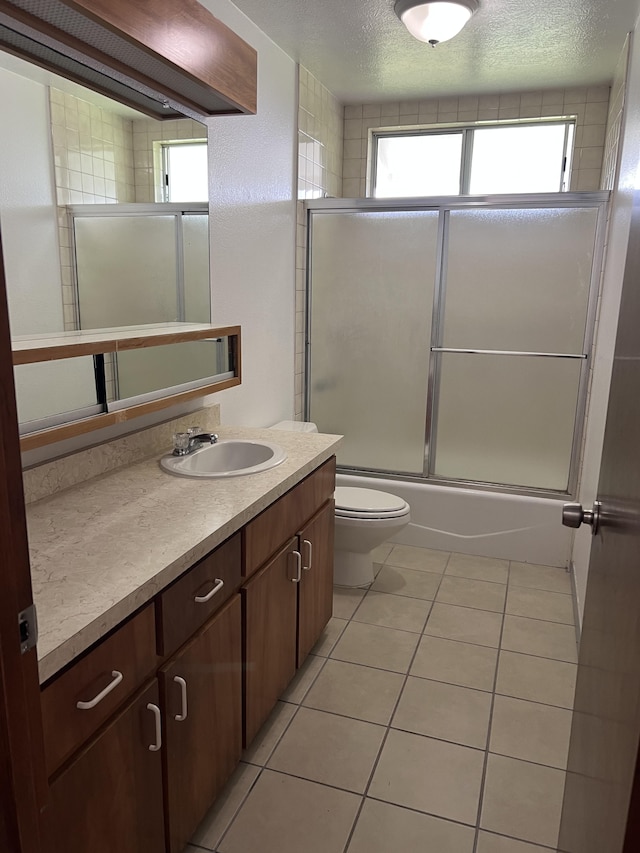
(467, 131)
(161, 161)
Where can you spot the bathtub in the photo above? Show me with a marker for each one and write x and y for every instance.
(488, 524)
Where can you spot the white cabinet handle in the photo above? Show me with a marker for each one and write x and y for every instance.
(298, 557)
(217, 586)
(155, 747)
(86, 706)
(183, 687)
(310, 547)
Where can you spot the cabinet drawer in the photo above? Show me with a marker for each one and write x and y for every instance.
(189, 602)
(130, 653)
(283, 519)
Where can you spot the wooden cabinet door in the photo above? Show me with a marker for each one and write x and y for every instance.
(110, 797)
(315, 590)
(203, 685)
(270, 614)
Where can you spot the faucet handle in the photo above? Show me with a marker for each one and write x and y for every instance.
(181, 443)
(194, 430)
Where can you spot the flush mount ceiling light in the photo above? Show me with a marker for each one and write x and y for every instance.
(433, 21)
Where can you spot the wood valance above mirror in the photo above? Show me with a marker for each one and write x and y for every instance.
(158, 57)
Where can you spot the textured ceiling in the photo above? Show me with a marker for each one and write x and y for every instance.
(361, 52)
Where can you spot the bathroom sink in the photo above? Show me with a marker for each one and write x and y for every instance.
(228, 457)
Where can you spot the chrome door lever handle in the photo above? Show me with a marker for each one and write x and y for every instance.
(573, 515)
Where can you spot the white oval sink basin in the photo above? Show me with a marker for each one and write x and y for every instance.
(228, 457)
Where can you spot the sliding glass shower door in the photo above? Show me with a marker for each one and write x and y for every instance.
(452, 341)
(373, 278)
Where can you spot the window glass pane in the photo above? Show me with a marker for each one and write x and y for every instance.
(419, 165)
(187, 168)
(519, 279)
(372, 281)
(524, 159)
(507, 419)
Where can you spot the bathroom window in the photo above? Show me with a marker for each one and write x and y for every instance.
(181, 170)
(525, 157)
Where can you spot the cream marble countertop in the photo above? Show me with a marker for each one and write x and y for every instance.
(103, 548)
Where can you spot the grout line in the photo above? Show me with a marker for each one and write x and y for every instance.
(483, 778)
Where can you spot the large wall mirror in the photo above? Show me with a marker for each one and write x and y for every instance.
(104, 222)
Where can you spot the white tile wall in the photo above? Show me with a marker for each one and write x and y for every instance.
(589, 105)
(320, 151)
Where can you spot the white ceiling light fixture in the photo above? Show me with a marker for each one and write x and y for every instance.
(433, 21)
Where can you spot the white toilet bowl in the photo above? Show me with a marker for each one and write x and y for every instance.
(365, 518)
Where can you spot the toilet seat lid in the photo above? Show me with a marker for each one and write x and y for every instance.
(350, 499)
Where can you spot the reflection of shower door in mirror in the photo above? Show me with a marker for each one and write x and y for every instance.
(141, 268)
(372, 284)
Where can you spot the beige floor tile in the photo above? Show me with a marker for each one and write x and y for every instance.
(381, 553)
(330, 637)
(407, 582)
(345, 601)
(422, 559)
(536, 637)
(430, 776)
(303, 679)
(393, 611)
(267, 738)
(522, 800)
(465, 592)
(329, 749)
(530, 731)
(490, 843)
(217, 821)
(356, 691)
(383, 828)
(465, 624)
(540, 577)
(456, 663)
(552, 682)
(540, 604)
(371, 645)
(287, 815)
(444, 711)
(479, 568)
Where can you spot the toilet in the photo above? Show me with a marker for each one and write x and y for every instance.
(365, 518)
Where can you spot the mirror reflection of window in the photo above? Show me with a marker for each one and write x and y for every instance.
(184, 171)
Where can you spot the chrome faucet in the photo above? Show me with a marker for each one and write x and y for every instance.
(192, 440)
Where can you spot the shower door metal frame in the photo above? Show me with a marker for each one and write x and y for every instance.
(444, 205)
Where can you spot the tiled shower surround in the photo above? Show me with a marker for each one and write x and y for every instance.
(433, 715)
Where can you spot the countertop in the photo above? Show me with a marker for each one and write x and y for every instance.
(102, 549)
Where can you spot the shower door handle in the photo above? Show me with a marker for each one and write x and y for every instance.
(573, 515)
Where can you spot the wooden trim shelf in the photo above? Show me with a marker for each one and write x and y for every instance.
(31, 349)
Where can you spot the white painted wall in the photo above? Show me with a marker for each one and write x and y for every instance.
(628, 181)
(253, 226)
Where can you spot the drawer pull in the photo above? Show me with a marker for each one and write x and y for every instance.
(310, 550)
(86, 706)
(200, 599)
(180, 718)
(155, 747)
(298, 557)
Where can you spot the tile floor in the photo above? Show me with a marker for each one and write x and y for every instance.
(433, 716)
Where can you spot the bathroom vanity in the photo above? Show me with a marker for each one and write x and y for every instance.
(173, 613)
